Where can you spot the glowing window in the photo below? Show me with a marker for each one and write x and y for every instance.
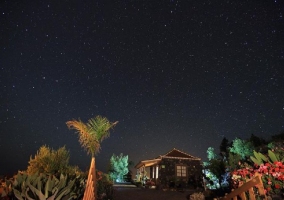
(181, 171)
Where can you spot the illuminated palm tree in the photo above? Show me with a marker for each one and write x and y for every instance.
(91, 134)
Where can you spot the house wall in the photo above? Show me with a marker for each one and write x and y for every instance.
(167, 173)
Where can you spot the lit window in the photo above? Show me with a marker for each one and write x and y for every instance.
(181, 171)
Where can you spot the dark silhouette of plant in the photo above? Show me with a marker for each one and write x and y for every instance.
(224, 148)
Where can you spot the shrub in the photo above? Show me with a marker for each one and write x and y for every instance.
(138, 184)
(49, 161)
(5, 189)
(118, 167)
(104, 186)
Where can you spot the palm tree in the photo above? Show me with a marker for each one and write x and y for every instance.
(91, 134)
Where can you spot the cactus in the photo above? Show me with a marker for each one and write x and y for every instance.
(45, 187)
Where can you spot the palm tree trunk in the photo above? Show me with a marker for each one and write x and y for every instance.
(94, 176)
(91, 190)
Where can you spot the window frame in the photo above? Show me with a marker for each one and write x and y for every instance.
(181, 171)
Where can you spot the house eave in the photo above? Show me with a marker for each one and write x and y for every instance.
(147, 163)
(180, 158)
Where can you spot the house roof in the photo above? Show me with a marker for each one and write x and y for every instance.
(173, 154)
(177, 154)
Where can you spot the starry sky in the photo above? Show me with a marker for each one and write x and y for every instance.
(175, 74)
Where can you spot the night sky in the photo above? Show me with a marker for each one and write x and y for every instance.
(175, 74)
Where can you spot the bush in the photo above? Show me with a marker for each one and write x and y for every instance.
(150, 183)
(5, 189)
(49, 161)
(104, 186)
(138, 184)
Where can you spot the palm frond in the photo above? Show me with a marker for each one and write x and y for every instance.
(83, 133)
(92, 133)
(100, 126)
(77, 125)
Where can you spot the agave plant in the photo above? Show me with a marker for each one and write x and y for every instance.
(259, 158)
(45, 187)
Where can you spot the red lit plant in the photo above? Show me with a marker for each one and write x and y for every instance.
(270, 169)
(150, 183)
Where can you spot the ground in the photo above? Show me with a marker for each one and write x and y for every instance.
(124, 192)
(148, 194)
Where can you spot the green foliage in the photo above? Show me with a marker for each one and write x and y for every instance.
(217, 167)
(118, 167)
(214, 169)
(233, 161)
(92, 133)
(49, 161)
(277, 147)
(273, 157)
(42, 187)
(211, 154)
(271, 145)
(242, 148)
(259, 158)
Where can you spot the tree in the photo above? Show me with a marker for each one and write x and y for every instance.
(224, 148)
(218, 168)
(215, 170)
(91, 134)
(278, 137)
(211, 154)
(128, 176)
(259, 143)
(118, 167)
(49, 161)
(242, 147)
(234, 161)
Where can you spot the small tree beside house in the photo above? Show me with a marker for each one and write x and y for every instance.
(118, 167)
